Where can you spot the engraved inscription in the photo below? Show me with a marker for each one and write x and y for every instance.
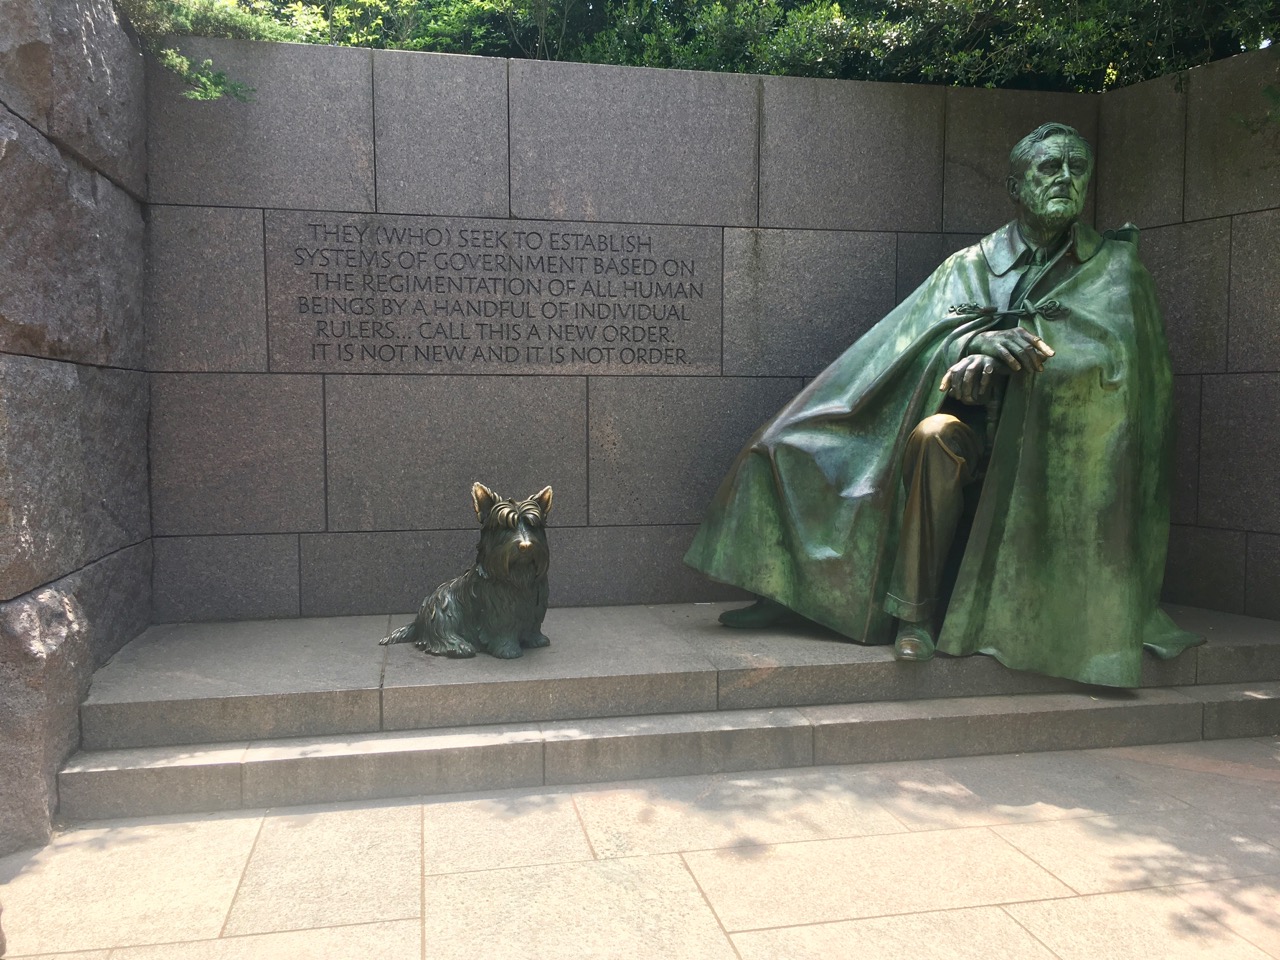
(364, 293)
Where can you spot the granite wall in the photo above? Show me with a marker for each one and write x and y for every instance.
(1196, 162)
(75, 524)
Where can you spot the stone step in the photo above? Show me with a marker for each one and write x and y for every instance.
(180, 779)
(226, 682)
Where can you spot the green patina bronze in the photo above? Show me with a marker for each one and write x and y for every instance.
(1062, 565)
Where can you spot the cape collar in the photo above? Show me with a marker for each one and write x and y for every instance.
(1004, 247)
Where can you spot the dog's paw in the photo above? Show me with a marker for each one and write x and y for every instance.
(454, 647)
(506, 651)
(538, 640)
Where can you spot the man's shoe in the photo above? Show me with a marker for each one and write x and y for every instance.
(914, 642)
(763, 613)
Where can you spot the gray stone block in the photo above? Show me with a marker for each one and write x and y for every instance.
(73, 477)
(1262, 591)
(347, 574)
(1238, 709)
(1191, 263)
(322, 770)
(1239, 464)
(206, 295)
(607, 566)
(237, 453)
(451, 159)
(69, 68)
(982, 127)
(609, 662)
(376, 293)
(591, 142)
(304, 142)
(661, 446)
(1231, 147)
(76, 294)
(624, 748)
(1141, 151)
(403, 452)
(115, 594)
(208, 683)
(795, 299)
(971, 726)
(1185, 492)
(1236, 649)
(148, 783)
(876, 166)
(226, 578)
(1205, 568)
(1255, 291)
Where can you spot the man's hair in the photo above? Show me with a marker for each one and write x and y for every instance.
(1020, 155)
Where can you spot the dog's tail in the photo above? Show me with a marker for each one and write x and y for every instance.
(406, 634)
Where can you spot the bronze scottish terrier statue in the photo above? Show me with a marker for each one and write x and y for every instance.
(499, 603)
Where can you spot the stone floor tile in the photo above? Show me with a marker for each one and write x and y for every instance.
(330, 865)
(1138, 925)
(126, 882)
(976, 791)
(396, 940)
(77, 955)
(638, 907)
(1104, 854)
(824, 880)
(730, 810)
(515, 830)
(981, 933)
(1250, 907)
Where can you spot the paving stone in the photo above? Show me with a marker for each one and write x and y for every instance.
(1245, 906)
(1205, 568)
(1237, 649)
(659, 447)
(1126, 926)
(861, 733)
(1238, 709)
(330, 867)
(982, 127)
(98, 884)
(499, 832)
(1184, 495)
(1255, 292)
(1231, 148)
(646, 907)
(795, 299)
(1191, 263)
(586, 751)
(82, 299)
(140, 783)
(390, 940)
(593, 142)
(773, 886)
(226, 578)
(1107, 854)
(1262, 595)
(318, 770)
(203, 317)
(642, 818)
(206, 683)
(375, 426)
(349, 574)
(876, 166)
(453, 159)
(980, 933)
(1238, 473)
(304, 142)
(236, 453)
(1141, 153)
(615, 662)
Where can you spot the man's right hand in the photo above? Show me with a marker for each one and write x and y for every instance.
(1017, 348)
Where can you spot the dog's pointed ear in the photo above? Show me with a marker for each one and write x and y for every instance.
(543, 499)
(484, 500)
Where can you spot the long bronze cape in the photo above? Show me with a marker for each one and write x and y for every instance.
(1062, 568)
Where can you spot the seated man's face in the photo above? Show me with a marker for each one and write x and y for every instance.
(1052, 188)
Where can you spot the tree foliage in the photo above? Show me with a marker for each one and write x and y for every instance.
(1082, 45)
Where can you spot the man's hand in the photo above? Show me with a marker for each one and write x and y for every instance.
(969, 379)
(1016, 348)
